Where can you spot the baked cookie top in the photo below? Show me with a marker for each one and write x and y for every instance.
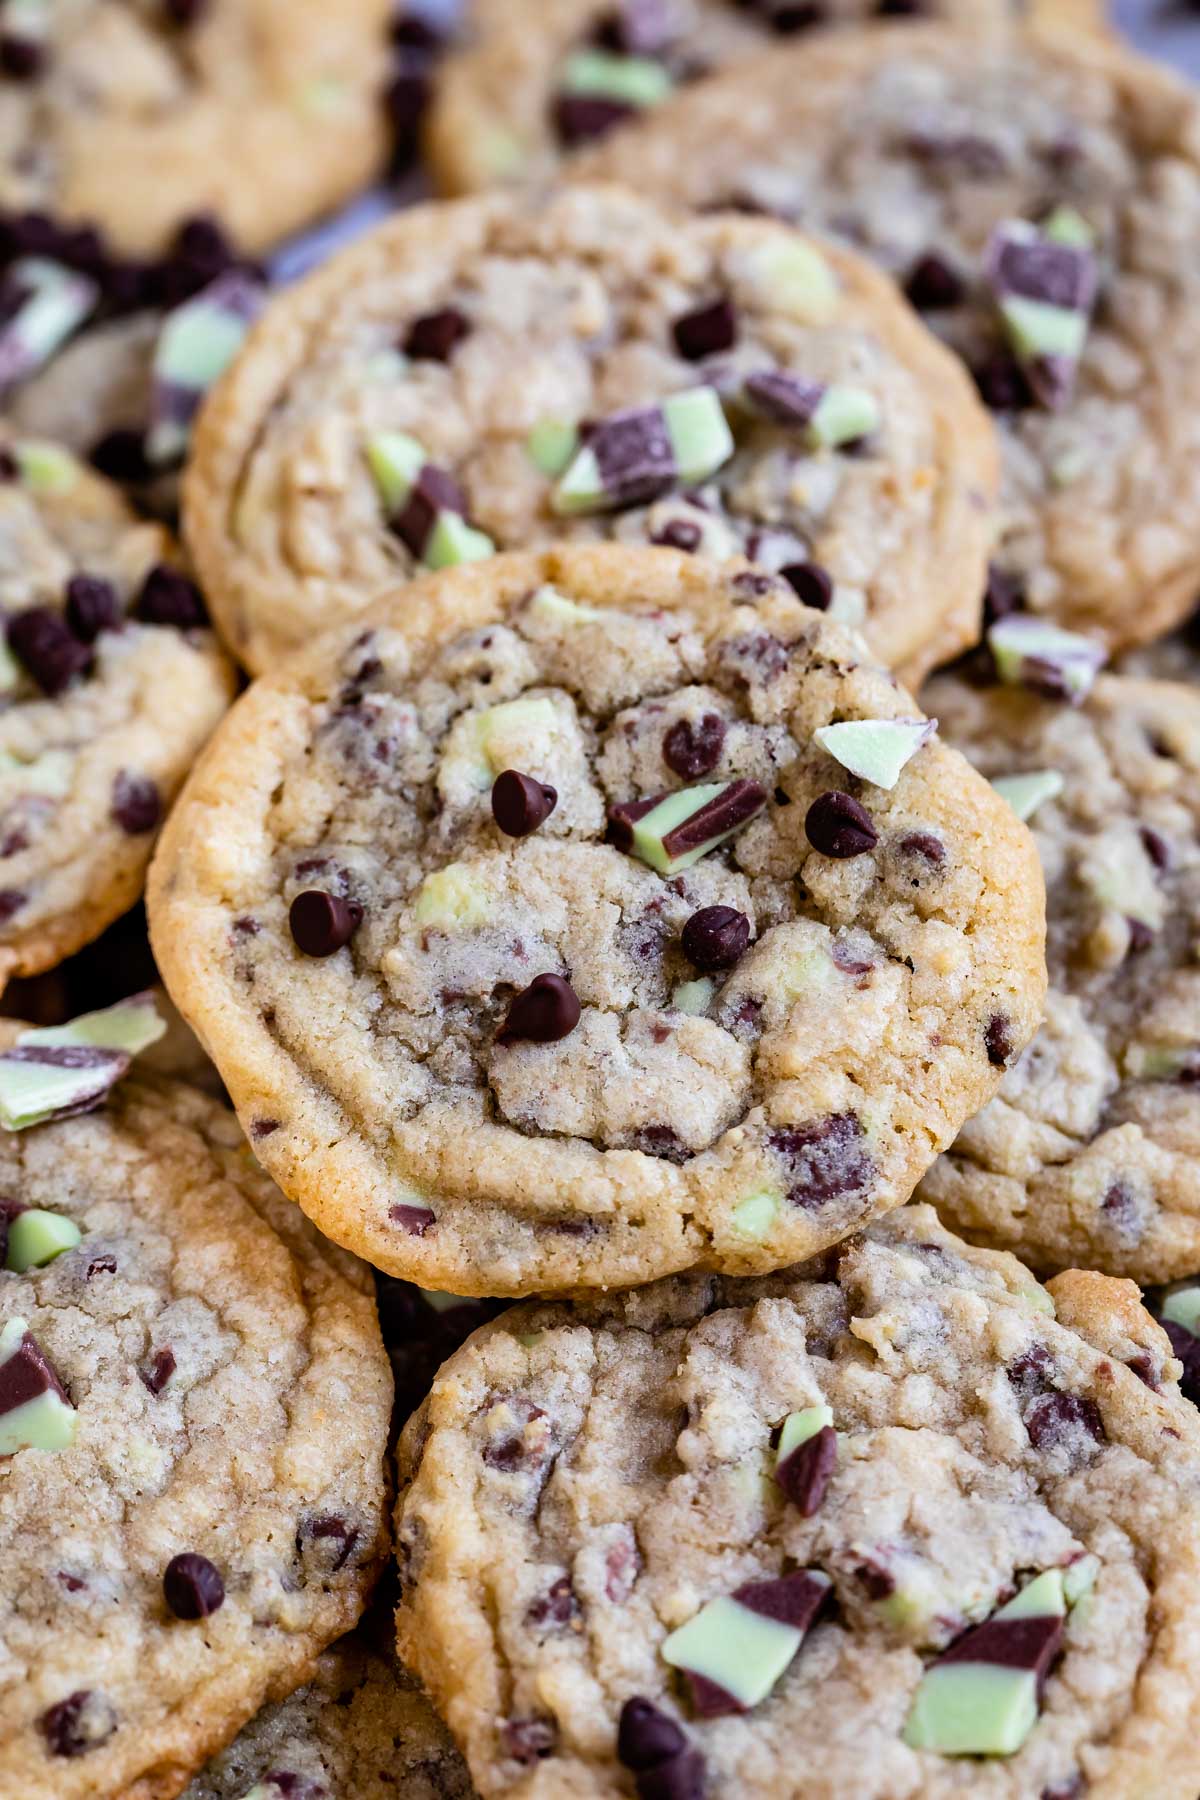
(1088, 1154)
(194, 1411)
(110, 681)
(544, 934)
(132, 115)
(534, 80)
(881, 1517)
(513, 370)
(1039, 194)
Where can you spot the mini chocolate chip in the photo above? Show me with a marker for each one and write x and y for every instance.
(42, 640)
(92, 607)
(683, 1777)
(416, 1220)
(876, 1582)
(715, 937)
(21, 58)
(556, 1608)
(1143, 1366)
(542, 1013)
(322, 923)
(332, 1535)
(10, 468)
(1002, 386)
(581, 118)
(81, 1722)
(706, 331)
(520, 804)
(527, 1740)
(1052, 1417)
(997, 1038)
(435, 336)
(192, 1586)
(261, 1128)
(169, 598)
(1156, 847)
(102, 1265)
(121, 455)
(1140, 935)
(811, 583)
(678, 534)
(646, 1736)
(136, 804)
(11, 902)
(934, 284)
(161, 1369)
(836, 825)
(693, 747)
(924, 845)
(824, 1160)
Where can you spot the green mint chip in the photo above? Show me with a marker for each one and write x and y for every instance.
(1066, 226)
(754, 1216)
(54, 302)
(551, 445)
(875, 749)
(35, 1238)
(1025, 793)
(1181, 1305)
(1033, 653)
(35, 1412)
(395, 461)
(699, 433)
(452, 541)
(44, 467)
(843, 415)
(197, 343)
(798, 1427)
(636, 81)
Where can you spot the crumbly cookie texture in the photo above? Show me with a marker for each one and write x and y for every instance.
(533, 81)
(1039, 194)
(110, 682)
(540, 941)
(495, 334)
(227, 1398)
(361, 1728)
(1088, 1154)
(135, 117)
(612, 1510)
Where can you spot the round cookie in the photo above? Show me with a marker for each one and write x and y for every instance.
(702, 996)
(199, 1377)
(534, 80)
(436, 389)
(110, 682)
(361, 1728)
(1039, 194)
(132, 118)
(1088, 1154)
(881, 1518)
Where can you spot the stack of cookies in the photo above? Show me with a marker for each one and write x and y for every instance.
(632, 1229)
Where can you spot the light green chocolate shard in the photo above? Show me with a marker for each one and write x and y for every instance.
(58, 300)
(43, 1423)
(131, 1025)
(694, 996)
(35, 1238)
(395, 460)
(32, 1091)
(666, 817)
(844, 414)
(798, 1427)
(1079, 1578)
(1039, 328)
(50, 774)
(548, 604)
(754, 1216)
(1019, 638)
(551, 445)
(795, 278)
(582, 487)
(197, 343)
(972, 1709)
(45, 467)
(637, 80)
(875, 749)
(699, 433)
(453, 541)
(1040, 1598)
(452, 899)
(1183, 1308)
(503, 731)
(1025, 793)
(742, 1651)
(1066, 226)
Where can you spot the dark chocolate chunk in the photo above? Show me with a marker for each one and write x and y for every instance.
(692, 747)
(715, 937)
(160, 1370)
(824, 1160)
(707, 331)
(997, 1038)
(1002, 384)
(192, 1586)
(806, 1473)
(542, 1013)
(92, 607)
(81, 1722)
(136, 803)
(837, 825)
(44, 643)
(520, 804)
(322, 923)
(581, 118)
(435, 336)
(169, 598)
(934, 284)
(812, 584)
(1056, 1416)
(26, 1374)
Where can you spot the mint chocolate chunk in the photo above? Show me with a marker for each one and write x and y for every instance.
(41, 304)
(806, 1457)
(634, 456)
(737, 1646)
(672, 831)
(1045, 288)
(1025, 793)
(197, 343)
(876, 750)
(54, 1071)
(35, 1409)
(426, 508)
(1033, 653)
(36, 1237)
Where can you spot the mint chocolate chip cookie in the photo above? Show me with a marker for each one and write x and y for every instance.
(881, 1519)
(110, 681)
(1038, 194)
(194, 1411)
(515, 370)
(540, 942)
(532, 82)
(1088, 1154)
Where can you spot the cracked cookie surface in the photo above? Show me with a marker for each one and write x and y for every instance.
(229, 1397)
(539, 941)
(590, 1482)
(954, 159)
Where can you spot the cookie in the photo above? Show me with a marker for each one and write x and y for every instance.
(881, 1518)
(434, 393)
(543, 933)
(1039, 195)
(361, 1728)
(110, 681)
(532, 82)
(1088, 1154)
(131, 118)
(194, 1408)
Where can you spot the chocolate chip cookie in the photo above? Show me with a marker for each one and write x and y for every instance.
(129, 118)
(1039, 196)
(513, 370)
(110, 681)
(881, 1518)
(532, 82)
(1088, 1154)
(584, 916)
(194, 1411)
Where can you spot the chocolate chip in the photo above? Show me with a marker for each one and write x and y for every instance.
(836, 825)
(693, 747)
(678, 534)
(646, 1736)
(824, 1160)
(21, 58)
(169, 598)
(136, 804)
(544, 1012)
(527, 1740)
(92, 607)
(715, 937)
(924, 845)
(412, 31)
(101, 1265)
(333, 1538)
(161, 1369)
(192, 1586)
(11, 902)
(322, 923)
(997, 1038)
(261, 1128)
(556, 1608)
(81, 1722)
(121, 455)
(435, 336)
(1002, 386)
(520, 804)
(581, 118)
(416, 1220)
(706, 331)
(805, 1475)
(43, 641)
(934, 284)
(812, 584)
(1056, 1416)
(1140, 935)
